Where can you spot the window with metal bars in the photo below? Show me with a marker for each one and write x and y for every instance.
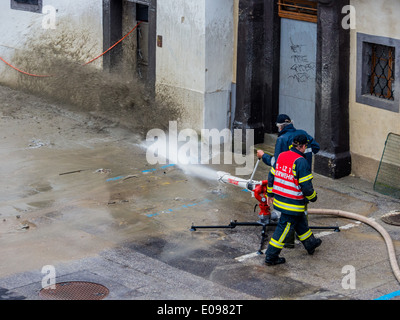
(378, 74)
(27, 5)
(304, 10)
(34, 2)
(381, 78)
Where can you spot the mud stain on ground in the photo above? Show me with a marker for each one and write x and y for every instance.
(64, 199)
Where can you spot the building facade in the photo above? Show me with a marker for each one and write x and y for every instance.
(329, 64)
(184, 50)
(374, 82)
(303, 73)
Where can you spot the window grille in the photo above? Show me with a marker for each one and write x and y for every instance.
(304, 10)
(32, 2)
(378, 72)
(27, 5)
(381, 78)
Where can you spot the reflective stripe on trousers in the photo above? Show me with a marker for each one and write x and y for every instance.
(285, 224)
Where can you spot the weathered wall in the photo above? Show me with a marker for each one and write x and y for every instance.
(61, 53)
(77, 35)
(180, 61)
(194, 67)
(195, 63)
(219, 56)
(369, 126)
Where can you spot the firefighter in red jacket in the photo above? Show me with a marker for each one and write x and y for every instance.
(289, 190)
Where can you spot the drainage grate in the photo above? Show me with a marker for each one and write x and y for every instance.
(74, 290)
(392, 217)
(387, 179)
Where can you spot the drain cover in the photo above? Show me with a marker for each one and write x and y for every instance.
(74, 290)
(392, 217)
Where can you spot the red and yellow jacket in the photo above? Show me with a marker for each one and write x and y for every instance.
(290, 183)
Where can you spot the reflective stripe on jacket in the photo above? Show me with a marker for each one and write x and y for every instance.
(285, 183)
(290, 183)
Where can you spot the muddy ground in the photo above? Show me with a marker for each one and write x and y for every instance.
(79, 194)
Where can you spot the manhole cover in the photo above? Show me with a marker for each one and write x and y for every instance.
(74, 290)
(392, 217)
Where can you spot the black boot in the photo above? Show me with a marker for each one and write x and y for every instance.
(311, 243)
(271, 261)
(272, 256)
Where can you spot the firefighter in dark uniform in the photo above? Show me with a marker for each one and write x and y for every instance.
(289, 190)
(286, 133)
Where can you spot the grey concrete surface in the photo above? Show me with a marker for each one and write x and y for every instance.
(127, 226)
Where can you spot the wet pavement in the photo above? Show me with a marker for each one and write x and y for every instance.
(79, 195)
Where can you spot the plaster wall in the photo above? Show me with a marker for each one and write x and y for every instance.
(77, 35)
(369, 126)
(195, 66)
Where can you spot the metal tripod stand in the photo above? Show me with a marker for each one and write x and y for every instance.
(233, 224)
(264, 223)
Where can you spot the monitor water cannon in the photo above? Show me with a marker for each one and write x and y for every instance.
(258, 190)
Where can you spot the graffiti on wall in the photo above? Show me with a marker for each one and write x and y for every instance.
(302, 69)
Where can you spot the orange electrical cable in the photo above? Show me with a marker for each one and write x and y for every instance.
(29, 74)
(46, 76)
(113, 45)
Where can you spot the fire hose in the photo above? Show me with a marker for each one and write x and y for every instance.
(372, 223)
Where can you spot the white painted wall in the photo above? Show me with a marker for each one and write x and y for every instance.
(78, 35)
(219, 62)
(194, 65)
(370, 126)
(180, 60)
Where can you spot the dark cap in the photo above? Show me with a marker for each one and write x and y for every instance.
(282, 118)
(300, 139)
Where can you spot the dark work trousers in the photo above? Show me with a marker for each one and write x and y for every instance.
(287, 223)
(290, 237)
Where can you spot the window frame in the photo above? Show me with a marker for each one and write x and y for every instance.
(36, 8)
(363, 94)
